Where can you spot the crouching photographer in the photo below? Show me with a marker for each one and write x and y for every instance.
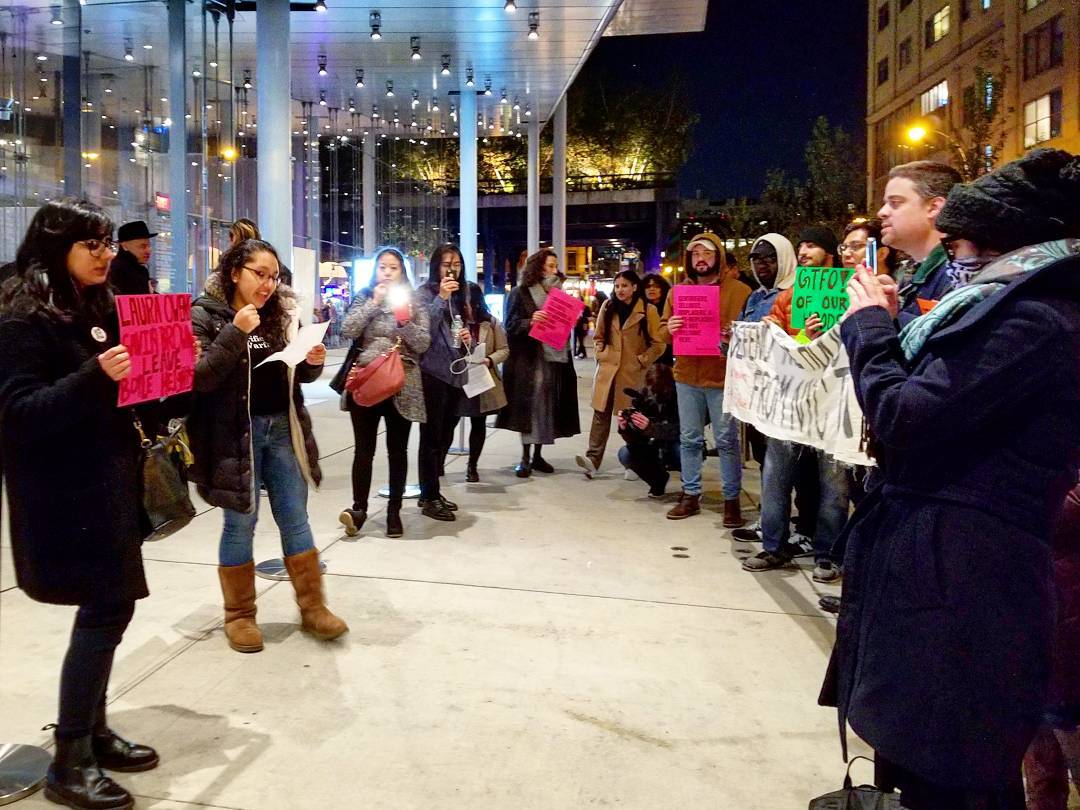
(650, 428)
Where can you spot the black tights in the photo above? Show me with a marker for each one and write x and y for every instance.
(535, 451)
(84, 677)
(365, 424)
(477, 437)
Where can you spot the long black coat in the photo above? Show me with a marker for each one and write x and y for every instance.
(71, 465)
(525, 353)
(941, 659)
(127, 276)
(220, 421)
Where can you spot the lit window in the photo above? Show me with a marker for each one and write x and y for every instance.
(937, 96)
(1030, 4)
(1042, 119)
(937, 27)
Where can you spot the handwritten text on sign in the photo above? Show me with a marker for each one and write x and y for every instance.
(156, 329)
(820, 291)
(793, 392)
(562, 313)
(699, 307)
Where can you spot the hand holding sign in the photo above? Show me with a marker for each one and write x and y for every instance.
(115, 362)
(156, 339)
(695, 320)
(553, 323)
(819, 291)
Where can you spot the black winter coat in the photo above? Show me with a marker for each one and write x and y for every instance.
(220, 421)
(71, 463)
(941, 659)
(127, 276)
(525, 353)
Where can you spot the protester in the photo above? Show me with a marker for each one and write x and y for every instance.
(656, 289)
(443, 372)
(853, 247)
(699, 384)
(72, 464)
(650, 428)
(249, 429)
(1054, 754)
(130, 273)
(941, 657)
(541, 384)
(484, 329)
(626, 341)
(914, 196)
(383, 316)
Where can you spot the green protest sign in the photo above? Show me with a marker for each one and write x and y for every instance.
(820, 291)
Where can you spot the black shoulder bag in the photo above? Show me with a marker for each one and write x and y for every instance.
(863, 797)
(163, 470)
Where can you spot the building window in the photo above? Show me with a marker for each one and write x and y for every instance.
(883, 16)
(1044, 47)
(883, 71)
(971, 108)
(904, 54)
(985, 5)
(1030, 4)
(1042, 118)
(937, 27)
(937, 96)
(904, 4)
(965, 10)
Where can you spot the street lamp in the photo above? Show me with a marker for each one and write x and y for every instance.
(920, 131)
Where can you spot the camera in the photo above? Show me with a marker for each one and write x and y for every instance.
(641, 402)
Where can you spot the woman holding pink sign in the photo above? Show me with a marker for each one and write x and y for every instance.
(540, 381)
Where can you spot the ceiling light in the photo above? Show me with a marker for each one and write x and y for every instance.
(352, 106)
(503, 99)
(389, 88)
(374, 110)
(196, 73)
(320, 6)
(149, 47)
(322, 64)
(534, 25)
(510, 7)
(415, 98)
(445, 64)
(470, 81)
(359, 78)
(414, 43)
(322, 98)
(528, 111)
(247, 79)
(56, 18)
(375, 19)
(129, 56)
(40, 57)
(517, 104)
(434, 104)
(487, 86)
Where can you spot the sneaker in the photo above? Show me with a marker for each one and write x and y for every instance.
(352, 520)
(751, 534)
(765, 561)
(825, 571)
(586, 465)
(799, 545)
(630, 475)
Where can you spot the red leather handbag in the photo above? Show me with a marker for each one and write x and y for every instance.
(378, 380)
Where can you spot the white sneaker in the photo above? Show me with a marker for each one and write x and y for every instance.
(586, 465)
(630, 475)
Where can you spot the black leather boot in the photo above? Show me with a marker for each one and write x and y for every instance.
(75, 780)
(524, 467)
(114, 753)
(393, 519)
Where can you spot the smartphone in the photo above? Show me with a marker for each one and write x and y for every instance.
(871, 255)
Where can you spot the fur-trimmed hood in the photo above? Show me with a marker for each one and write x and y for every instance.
(213, 299)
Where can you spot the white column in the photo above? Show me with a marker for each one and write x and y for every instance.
(178, 159)
(273, 80)
(558, 181)
(467, 181)
(367, 194)
(533, 196)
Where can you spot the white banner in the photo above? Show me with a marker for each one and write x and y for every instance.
(795, 392)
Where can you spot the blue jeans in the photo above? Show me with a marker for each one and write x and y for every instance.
(777, 482)
(695, 405)
(275, 465)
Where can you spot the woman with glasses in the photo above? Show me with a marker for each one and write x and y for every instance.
(72, 464)
(443, 370)
(382, 316)
(852, 249)
(249, 429)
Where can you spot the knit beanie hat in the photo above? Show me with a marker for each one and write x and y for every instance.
(1034, 199)
(820, 236)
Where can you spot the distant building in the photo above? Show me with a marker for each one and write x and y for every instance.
(922, 59)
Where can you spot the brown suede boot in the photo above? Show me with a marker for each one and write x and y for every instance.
(238, 588)
(733, 518)
(315, 616)
(688, 506)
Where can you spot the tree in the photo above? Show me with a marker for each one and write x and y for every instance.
(783, 203)
(836, 182)
(982, 136)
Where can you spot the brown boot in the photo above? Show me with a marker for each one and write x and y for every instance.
(733, 518)
(315, 617)
(238, 588)
(688, 506)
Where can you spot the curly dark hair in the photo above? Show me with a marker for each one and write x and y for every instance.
(41, 281)
(533, 273)
(656, 280)
(275, 313)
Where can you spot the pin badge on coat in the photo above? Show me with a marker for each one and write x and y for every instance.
(98, 334)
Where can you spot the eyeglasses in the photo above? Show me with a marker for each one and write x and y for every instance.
(264, 278)
(98, 247)
(851, 247)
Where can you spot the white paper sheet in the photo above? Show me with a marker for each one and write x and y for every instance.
(480, 379)
(306, 339)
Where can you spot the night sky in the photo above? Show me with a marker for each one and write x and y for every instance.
(759, 75)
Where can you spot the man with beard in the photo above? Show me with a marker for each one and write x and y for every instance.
(914, 196)
(699, 385)
(129, 274)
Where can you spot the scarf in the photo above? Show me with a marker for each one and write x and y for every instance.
(539, 293)
(961, 271)
(982, 284)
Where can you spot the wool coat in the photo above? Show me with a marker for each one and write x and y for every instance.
(496, 349)
(374, 329)
(71, 460)
(220, 423)
(942, 650)
(525, 353)
(624, 354)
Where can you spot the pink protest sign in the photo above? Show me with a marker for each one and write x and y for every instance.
(563, 311)
(156, 329)
(699, 307)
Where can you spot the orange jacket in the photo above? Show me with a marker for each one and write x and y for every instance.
(780, 314)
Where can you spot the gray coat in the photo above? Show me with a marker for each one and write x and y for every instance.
(376, 329)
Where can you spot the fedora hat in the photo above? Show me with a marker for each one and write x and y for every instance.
(134, 230)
